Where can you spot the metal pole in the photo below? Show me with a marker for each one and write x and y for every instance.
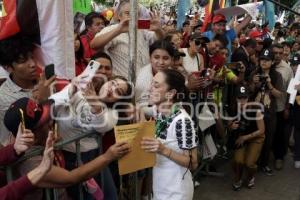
(133, 41)
(285, 7)
(132, 69)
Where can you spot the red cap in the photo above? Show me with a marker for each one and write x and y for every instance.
(219, 18)
(255, 34)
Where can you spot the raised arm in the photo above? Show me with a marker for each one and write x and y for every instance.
(59, 177)
(103, 39)
(243, 24)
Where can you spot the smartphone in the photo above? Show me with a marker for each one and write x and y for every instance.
(89, 73)
(49, 71)
(143, 24)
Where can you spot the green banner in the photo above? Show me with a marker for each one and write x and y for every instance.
(83, 6)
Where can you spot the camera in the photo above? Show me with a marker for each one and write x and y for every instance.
(262, 78)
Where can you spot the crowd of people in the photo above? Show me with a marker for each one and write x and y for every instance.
(240, 72)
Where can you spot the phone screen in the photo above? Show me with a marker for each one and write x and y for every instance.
(49, 71)
(143, 24)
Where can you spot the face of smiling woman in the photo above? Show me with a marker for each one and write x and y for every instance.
(113, 90)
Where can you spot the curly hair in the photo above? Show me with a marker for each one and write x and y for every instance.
(15, 48)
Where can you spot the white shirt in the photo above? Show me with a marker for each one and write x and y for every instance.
(118, 49)
(78, 119)
(191, 64)
(287, 74)
(171, 180)
(143, 84)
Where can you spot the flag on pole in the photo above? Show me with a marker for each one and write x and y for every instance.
(183, 7)
(270, 13)
(209, 9)
(49, 23)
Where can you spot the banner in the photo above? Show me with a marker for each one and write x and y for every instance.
(49, 23)
(82, 6)
(251, 8)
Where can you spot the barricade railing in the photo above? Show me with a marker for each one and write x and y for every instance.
(38, 150)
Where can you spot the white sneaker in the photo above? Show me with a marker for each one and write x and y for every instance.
(297, 164)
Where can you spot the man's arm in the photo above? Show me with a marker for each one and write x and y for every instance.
(103, 39)
(243, 24)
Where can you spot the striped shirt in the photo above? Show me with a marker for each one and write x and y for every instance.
(10, 92)
(118, 49)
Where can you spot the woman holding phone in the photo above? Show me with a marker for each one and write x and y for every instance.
(176, 140)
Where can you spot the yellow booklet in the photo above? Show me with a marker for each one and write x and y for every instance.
(137, 159)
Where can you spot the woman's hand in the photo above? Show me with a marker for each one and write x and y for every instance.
(39, 172)
(155, 21)
(234, 125)
(117, 151)
(256, 79)
(24, 140)
(241, 140)
(152, 145)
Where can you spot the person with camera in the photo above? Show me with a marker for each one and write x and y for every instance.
(267, 86)
(247, 138)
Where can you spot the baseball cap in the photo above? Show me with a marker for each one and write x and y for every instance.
(295, 59)
(255, 34)
(196, 35)
(219, 18)
(266, 55)
(34, 114)
(242, 92)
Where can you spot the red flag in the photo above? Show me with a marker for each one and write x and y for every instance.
(8, 22)
(209, 11)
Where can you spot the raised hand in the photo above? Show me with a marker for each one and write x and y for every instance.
(155, 21)
(24, 140)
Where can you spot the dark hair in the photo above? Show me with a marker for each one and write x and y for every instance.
(288, 44)
(129, 90)
(267, 43)
(15, 48)
(162, 44)
(250, 43)
(175, 80)
(120, 6)
(80, 53)
(295, 26)
(222, 39)
(170, 34)
(88, 20)
(101, 54)
(278, 46)
(185, 23)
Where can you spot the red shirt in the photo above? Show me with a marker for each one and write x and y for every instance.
(16, 189)
(86, 41)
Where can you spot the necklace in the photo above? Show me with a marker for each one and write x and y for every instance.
(162, 122)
